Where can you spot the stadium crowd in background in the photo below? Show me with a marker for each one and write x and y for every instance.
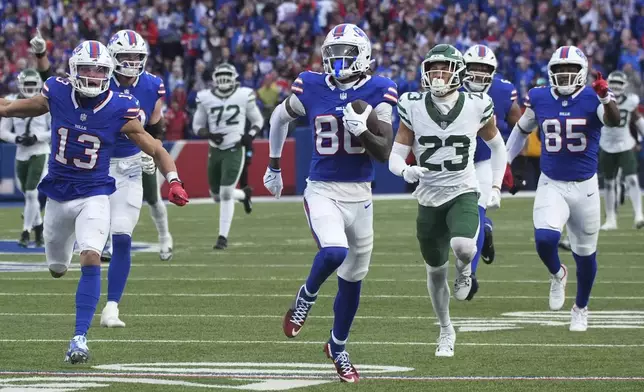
(270, 42)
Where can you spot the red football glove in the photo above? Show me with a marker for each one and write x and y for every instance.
(600, 85)
(177, 195)
(508, 179)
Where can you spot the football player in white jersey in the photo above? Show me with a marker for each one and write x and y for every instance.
(617, 152)
(31, 136)
(440, 125)
(221, 117)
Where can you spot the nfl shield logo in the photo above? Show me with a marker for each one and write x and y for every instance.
(126, 91)
(564, 103)
(443, 124)
(343, 96)
(83, 117)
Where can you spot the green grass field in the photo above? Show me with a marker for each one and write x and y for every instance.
(213, 319)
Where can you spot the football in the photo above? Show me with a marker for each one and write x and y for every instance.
(372, 122)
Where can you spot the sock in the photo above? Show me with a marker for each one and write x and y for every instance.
(609, 199)
(586, 271)
(226, 212)
(238, 194)
(31, 209)
(479, 240)
(438, 289)
(326, 261)
(547, 242)
(488, 223)
(159, 214)
(87, 295)
(119, 266)
(345, 308)
(635, 194)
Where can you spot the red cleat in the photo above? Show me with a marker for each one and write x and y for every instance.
(297, 314)
(343, 366)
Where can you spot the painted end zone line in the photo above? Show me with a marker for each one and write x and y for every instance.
(290, 376)
(291, 342)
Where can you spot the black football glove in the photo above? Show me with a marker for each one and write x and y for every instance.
(29, 140)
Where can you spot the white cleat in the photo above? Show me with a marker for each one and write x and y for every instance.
(578, 319)
(558, 290)
(610, 224)
(110, 316)
(639, 223)
(445, 343)
(165, 246)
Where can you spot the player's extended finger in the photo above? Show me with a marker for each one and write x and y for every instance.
(38, 34)
(423, 169)
(598, 75)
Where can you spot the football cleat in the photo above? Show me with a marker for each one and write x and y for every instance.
(639, 224)
(343, 366)
(77, 351)
(610, 224)
(296, 316)
(578, 319)
(165, 248)
(24, 239)
(445, 343)
(565, 244)
(487, 251)
(248, 203)
(558, 290)
(465, 287)
(222, 243)
(40, 241)
(110, 316)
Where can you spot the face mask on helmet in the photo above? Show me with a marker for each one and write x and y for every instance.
(30, 88)
(479, 76)
(441, 77)
(225, 80)
(339, 60)
(130, 64)
(91, 79)
(566, 78)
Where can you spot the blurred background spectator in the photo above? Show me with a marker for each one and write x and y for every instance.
(270, 42)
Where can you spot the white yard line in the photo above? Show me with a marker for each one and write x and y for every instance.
(299, 342)
(266, 295)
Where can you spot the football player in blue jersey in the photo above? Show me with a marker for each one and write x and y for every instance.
(569, 116)
(133, 170)
(337, 199)
(481, 77)
(87, 120)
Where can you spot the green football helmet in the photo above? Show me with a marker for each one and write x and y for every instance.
(29, 83)
(617, 82)
(433, 77)
(225, 78)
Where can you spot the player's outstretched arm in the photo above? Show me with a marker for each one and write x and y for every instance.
(400, 151)
(29, 107)
(39, 48)
(611, 116)
(523, 128)
(281, 117)
(499, 158)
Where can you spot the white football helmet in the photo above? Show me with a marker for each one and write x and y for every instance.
(29, 82)
(225, 78)
(617, 82)
(481, 66)
(567, 81)
(346, 51)
(90, 68)
(129, 52)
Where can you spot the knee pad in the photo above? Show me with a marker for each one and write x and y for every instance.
(334, 255)
(464, 248)
(226, 192)
(57, 270)
(546, 240)
(631, 181)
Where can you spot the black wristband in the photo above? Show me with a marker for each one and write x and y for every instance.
(41, 55)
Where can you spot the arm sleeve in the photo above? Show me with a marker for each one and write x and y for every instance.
(44, 135)
(404, 111)
(383, 111)
(498, 160)
(6, 125)
(520, 133)
(600, 113)
(279, 122)
(399, 153)
(200, 119)
(252, 112)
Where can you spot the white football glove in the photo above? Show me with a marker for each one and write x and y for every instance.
(495, 199)
(273, 182)
(413, 174)
(147, 164)
(355, 123)
(38, 43)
